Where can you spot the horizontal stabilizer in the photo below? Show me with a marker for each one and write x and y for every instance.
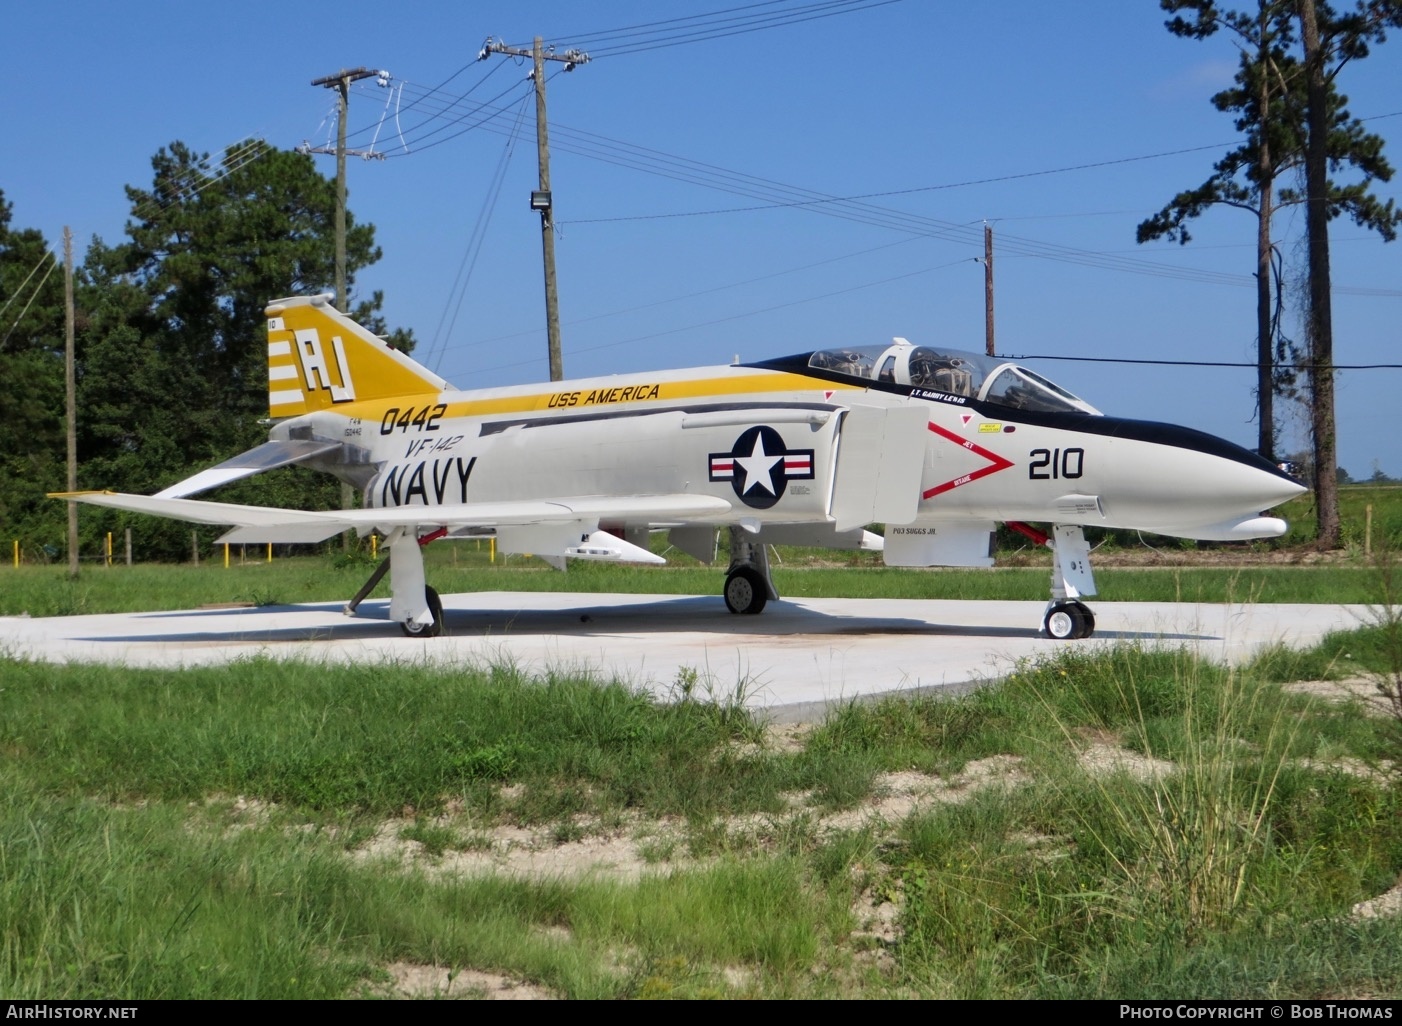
(267, 456)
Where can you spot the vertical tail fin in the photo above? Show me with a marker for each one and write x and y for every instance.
(319, 358)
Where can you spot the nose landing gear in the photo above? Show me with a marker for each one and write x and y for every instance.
(1067, 618)
(747, 584)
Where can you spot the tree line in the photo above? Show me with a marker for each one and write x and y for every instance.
(170, 336)
(170, 340)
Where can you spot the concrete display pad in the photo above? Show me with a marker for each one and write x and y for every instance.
(791, 661)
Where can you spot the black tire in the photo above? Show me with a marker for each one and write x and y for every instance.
(1087, 619)
(745, 591)
(1063, 622)
(427, 630)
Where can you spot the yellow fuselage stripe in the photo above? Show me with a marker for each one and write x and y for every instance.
(634, 390)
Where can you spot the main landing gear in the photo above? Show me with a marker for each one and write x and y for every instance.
(748, 586)
(415, 629)
(413, 604)
(1067, 618)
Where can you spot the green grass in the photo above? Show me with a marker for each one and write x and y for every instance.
(191, 834)
(47, 590)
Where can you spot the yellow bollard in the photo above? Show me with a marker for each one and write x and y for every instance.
(16, 553)
(270, 552)
(226, 555)
(374, 546)
(109, 548)
(492, 552)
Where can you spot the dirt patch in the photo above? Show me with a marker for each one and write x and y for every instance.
(436, 981)
(897, 795)
(1363, 690)
(637, 846)
(787, 738)
(1387, 904)
(510, 850)
(1100, 758)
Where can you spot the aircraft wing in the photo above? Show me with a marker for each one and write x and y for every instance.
(259, 524)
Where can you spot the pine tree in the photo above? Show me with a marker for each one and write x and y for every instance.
(1287, 106)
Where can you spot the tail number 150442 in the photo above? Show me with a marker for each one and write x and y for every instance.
(1051, 464)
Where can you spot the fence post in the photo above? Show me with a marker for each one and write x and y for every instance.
(1368, 529)
(128, 546)
(195, 547)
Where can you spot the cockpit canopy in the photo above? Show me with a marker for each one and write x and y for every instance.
(986, 378)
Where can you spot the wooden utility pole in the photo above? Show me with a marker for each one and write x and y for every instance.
(341, 82)
(988, 288)
(71, 390)
(541, 199)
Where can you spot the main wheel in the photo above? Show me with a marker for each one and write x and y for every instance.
(1067, 621)
(745, 591)
(1087, 620)
(427, 630)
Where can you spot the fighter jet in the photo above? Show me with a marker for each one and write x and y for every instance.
(936, 444)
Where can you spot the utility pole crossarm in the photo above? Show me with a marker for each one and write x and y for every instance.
(570, 58)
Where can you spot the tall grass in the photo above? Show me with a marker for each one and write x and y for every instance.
(203, 834)
(1184, 835)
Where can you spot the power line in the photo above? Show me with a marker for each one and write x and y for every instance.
(420, 96)
(46, 255)
(236, 157)
(740, 316)
(697, 294)
(655, 38)
(1206, 363)
(779, 195)
(37, 289)
(486, 109)
(474, 247)
(904, 192)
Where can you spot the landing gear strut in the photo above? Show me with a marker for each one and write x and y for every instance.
(747, 583)
(413, 604)
(1067, 618)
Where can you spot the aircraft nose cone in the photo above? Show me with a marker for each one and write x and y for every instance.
(1191, 484)
(1283, 490)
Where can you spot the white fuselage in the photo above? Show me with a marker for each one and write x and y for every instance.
(783, 448)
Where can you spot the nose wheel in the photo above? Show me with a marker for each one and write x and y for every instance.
(1068, 621)
(745, 591)
(747, 584)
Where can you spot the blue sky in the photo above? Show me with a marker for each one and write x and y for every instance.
(917, 99)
